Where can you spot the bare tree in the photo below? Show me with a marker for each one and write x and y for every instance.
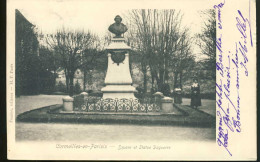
(68, 45)
(207, 41)
(91, 59)
(160, 40)
(183, 58)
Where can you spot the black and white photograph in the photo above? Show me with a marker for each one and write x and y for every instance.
(122, 80)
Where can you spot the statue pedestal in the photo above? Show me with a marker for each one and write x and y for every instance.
(118, 81)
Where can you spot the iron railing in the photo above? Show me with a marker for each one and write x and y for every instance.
(98, 104)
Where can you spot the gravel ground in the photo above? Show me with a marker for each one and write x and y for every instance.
(208, 106)
(26, 103)
(100, 132)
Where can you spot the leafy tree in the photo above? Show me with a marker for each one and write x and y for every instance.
(48, 64)
(26, 56)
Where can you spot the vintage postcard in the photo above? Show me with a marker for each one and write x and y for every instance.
(131, 80)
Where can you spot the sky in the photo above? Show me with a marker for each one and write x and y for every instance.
(96, 16)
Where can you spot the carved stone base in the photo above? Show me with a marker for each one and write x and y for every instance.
(118, 91)
(118, 78)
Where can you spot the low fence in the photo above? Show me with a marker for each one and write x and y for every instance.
(98, 104)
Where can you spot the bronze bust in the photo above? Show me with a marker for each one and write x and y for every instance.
(117, 28)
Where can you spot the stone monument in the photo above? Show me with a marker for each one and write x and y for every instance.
(118, 81)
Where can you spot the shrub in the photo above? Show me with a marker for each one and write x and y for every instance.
(61, 87)
(78, 101)
(166, 90)
(96, 94)
(77, 88)
(140, 92)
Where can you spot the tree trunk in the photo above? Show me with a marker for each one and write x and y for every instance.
(144, 70)
(54, 79)
(67, 80)
(71, 85)
(160, 80)
(154, 77)
(145, 83)
(180, 84)
(67, 83)
(159, 85)
(152, 81)
(84, 80)
(175, 79)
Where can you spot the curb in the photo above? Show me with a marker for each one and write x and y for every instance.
(44, 115)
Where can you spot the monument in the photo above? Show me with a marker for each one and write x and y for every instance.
(118, 81)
